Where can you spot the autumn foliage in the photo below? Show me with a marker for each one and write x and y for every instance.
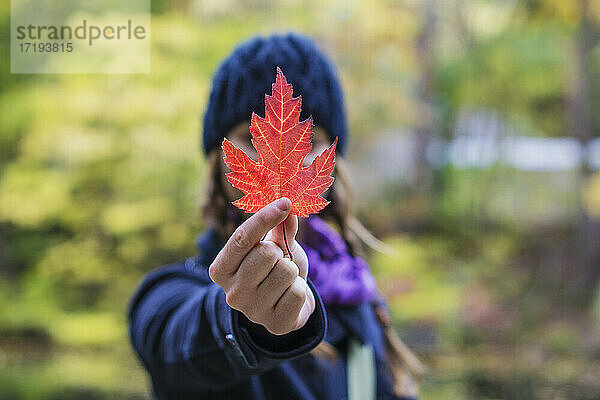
(282, 143)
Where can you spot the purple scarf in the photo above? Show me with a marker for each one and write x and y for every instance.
(339, 277)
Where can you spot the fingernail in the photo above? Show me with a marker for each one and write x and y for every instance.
(284, 204)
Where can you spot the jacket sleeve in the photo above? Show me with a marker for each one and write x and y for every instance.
(187, 335)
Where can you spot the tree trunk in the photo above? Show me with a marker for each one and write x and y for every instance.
(585, 269)
(426, 122)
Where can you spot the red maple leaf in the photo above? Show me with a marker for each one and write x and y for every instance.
(282, 143)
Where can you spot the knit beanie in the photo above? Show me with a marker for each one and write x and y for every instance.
(242, 80)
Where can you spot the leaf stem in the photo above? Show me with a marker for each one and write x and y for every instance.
(289, 253)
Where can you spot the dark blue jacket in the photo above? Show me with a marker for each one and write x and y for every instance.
(197, 347)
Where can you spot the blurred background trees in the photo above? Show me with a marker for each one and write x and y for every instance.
(475, 151)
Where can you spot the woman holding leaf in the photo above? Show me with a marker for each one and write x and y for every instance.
(273, 307)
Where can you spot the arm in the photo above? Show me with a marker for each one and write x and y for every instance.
(260, 310)
(189, 337)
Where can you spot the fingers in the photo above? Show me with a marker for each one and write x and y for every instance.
(291, 228)
(258, 281)
(301, 260)
(258, 263)
(307, 309)
(245, 237)
(297, 253)
(268, 289)
(279, 279)
(293, 308)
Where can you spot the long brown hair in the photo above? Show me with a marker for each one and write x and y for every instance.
(404, 367)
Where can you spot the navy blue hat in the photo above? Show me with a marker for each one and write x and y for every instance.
(243, 79)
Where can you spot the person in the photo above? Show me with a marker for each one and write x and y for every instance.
(240, 320)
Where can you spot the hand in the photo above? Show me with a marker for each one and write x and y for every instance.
(258, 281)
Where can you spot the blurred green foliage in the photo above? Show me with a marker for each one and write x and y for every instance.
(101, 178)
